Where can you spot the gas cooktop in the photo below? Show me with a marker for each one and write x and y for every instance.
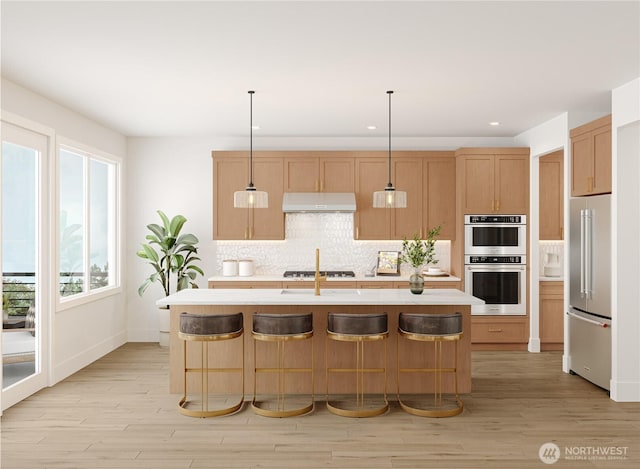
(312, 273)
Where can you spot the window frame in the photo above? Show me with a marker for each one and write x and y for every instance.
(115, 254)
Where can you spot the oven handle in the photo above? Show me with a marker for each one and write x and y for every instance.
(497, 269)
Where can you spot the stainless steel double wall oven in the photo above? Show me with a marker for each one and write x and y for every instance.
(496, 263)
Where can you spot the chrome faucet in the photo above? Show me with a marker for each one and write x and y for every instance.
(317, 277)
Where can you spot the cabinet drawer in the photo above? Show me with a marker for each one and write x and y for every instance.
(498, 332)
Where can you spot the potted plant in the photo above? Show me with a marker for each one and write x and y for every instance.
(175, 257)
(418, 253)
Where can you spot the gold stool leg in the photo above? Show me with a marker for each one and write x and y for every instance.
(204, 383)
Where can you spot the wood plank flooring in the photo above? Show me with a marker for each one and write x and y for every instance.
(117, 413)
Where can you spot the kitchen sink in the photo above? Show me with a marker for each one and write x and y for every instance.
(323, 291)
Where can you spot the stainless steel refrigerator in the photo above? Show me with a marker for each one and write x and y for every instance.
(590, 288)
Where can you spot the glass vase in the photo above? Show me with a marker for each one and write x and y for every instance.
(416, 281)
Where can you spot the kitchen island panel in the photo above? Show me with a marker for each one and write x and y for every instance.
(340, 355)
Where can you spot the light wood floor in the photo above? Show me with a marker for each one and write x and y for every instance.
(116, 413)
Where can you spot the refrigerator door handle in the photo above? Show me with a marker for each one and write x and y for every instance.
(590, 321)
(588, 281)
(582, 253)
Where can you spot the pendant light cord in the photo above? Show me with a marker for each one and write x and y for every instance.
(389, 93)
(251, 138)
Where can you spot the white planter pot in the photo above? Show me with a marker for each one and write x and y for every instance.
(164, 325)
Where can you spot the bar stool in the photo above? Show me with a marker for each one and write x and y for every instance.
(281, 328)
(358, 328)
(206, 328)
(436, 328)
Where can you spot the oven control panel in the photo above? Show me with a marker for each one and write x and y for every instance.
(495, 260)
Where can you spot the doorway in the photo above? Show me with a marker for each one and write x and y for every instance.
(25, 265)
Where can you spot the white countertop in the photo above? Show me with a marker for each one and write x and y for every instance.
(276, 296)
(357, 278)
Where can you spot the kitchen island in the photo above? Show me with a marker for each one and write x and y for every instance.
(390, 301)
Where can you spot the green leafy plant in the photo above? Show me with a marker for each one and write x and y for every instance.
(418, 252)
(176, 255)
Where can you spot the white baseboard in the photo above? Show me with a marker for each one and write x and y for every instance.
(86, 357)
(534, 345)
(143, 335)
(625, 391)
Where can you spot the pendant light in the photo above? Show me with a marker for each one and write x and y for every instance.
(250, 197)
(389, 197)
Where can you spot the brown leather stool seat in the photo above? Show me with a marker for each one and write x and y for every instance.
(281, 328)
(439, 329)
(358, 328)
(207, 328)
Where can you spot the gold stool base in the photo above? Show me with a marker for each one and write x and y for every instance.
(436, 411)
(260, 408)
(359, 411)
(184, 410)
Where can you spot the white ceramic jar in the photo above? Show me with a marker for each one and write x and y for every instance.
(229, 268)
(246, 267)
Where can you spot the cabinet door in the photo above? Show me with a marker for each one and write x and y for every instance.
(268, 223)
(478, 181)
(371, 223)
(301, 175)
(581, 165)
(602, 160)
(407, 176)
(439, 196)
(551, 313)
(229, 175)
(551, 199)
(337, 174)
(511, 184)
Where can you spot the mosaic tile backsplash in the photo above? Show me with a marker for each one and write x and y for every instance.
(304, 232)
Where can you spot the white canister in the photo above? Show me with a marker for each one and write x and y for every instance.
(230, 268)
(245, 267)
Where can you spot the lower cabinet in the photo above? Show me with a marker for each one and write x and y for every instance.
(499, 332)
(551, 316)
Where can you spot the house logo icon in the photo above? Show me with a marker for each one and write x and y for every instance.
(549, 453)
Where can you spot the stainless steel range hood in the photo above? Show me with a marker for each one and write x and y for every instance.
(319, 202)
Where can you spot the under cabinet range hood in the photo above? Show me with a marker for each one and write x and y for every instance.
(319, 202)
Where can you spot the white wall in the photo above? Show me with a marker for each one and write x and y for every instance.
(625, 379)
(82, 334)
(543, 139)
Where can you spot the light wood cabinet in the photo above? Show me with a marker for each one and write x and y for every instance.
(372, 174)
(551, 315)
(551, 200)
(439, 195)
(428, 178)
(499, 333)
(230, 174)
(308, 172)
(493, 180)
(591, 158)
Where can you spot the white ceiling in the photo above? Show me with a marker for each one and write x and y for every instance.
(322, 68)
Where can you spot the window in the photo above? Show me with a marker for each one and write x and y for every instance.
(88, 223)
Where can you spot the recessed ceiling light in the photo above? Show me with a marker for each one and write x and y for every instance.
(371, 127)
(494, 123)
(255, 127)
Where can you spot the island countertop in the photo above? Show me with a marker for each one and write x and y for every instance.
(327, 296)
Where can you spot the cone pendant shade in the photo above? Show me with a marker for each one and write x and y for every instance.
(389, 197)
(250, 197)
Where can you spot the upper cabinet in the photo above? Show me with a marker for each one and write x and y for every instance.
(493, 180)
(551, 200)
(591, 158)
(428, 178)
(309, 172)
(230, 174)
